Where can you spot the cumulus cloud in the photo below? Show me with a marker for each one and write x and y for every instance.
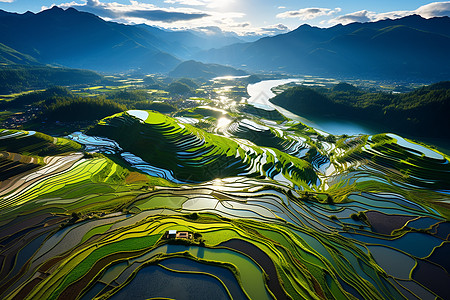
(165, 16)
(206, 3)
(174, 18)
(274, 29)
(308, 13)
(259, 32)
(186, 2)
(242, 25)
(209, 30)
(435, 9)
(135, 11)
(243, 29)
(359, 16)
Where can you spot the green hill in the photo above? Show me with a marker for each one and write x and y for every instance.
(195, 69)
(248, 223)
(195, 155)
(18, 78)
(10, 56)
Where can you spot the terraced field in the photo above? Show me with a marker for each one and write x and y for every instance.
(271, 209)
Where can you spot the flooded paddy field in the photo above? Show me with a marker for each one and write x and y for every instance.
(213, 201)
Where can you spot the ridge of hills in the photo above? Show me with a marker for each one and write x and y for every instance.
(83, 40)
(16, 78)
(10, 56)
(184, 44)
(197, 69)
(411, 47)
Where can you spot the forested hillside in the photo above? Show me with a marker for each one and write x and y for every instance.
(17, 78)
(422, 112)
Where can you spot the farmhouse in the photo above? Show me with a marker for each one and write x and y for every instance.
(174, 234)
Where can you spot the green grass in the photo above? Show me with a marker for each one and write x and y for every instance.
(160, 201)
(205, 156)
(312, 249)
(127, 245)
(35, 144)
(96, 230)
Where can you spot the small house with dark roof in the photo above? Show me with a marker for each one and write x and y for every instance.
(171, 234)
(174, 234)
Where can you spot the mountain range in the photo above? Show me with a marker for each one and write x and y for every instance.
(408, 48)
(82, 40)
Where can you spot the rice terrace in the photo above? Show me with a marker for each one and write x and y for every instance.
(163, 177)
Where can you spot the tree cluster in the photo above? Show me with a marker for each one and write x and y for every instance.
(19, 78)
(422, 112)
(80, 109)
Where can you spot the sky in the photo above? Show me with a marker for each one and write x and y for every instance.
(242, 17)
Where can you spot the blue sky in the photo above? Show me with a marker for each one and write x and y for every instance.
(243, 17)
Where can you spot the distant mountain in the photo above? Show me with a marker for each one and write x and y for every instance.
(188, 42)
(83, 40)
(217, 38)
(407, 48)
(195, 69)
(10, 56)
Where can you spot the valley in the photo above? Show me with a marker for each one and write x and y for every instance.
(143, 157)
(319, 215)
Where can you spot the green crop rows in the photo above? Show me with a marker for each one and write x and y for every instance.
(275, 209)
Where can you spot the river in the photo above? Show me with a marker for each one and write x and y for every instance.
(261, 92)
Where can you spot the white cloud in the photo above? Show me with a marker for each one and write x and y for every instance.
(274, 29)
(308, 13)
(136, 11)
(215, 31)
(7, 1)
(359, 16)
(206, 3)
(173, 18)
(186, 2)
(435, 9)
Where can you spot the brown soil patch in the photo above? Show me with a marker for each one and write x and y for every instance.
(135, 177)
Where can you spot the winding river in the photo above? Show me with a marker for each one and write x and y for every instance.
(261, 92)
